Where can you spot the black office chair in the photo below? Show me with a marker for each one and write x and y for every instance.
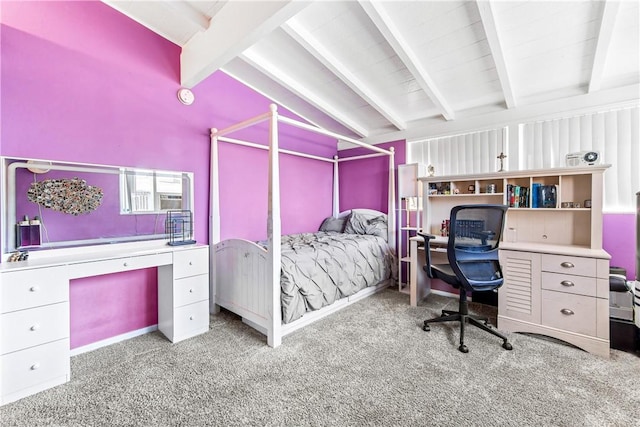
(472, 251)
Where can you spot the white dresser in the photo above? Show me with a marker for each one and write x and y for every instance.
(562, 295)
(34, 304)
(183, 295)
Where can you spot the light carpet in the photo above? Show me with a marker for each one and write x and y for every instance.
(367, 365)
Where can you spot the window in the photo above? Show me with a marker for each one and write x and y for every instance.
(466, 154)
(147, 191)
(614, 134)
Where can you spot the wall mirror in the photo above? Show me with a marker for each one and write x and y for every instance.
(52, 204)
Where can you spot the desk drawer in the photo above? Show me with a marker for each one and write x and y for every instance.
(566, 264)
(579, 285)
(28, 328)
(191, 289)
(33, 288)
(117, 265)
(191, 262)
(575, 313)
(190, 319)
(37, 365)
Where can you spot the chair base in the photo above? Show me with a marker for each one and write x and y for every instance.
(481, 322)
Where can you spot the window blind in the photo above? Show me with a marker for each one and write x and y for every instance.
(466, 154)
(614, 134)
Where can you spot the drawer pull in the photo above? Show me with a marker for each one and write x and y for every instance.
(34, 327)
(567, 283)
(191, 290)
(34, 289)
(567, 264)
(34, 366)
(125, 264)
(190, 263)
(567, 311)
(190, 317)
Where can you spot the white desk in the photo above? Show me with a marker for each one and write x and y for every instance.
(419, 282)
(34, 305)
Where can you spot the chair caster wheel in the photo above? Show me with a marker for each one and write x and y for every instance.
(463, 348)
(507, 346)
(426, 327)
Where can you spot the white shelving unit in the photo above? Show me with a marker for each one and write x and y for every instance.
(409, 216)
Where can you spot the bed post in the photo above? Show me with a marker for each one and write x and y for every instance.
(274, 234)
(391, 215)
(214, 220)
(336, 188)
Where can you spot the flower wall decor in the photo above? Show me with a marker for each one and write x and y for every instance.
(71, 196)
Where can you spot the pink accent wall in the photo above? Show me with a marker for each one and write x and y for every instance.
(364, 183)
(83, 83)
(619, 231)
(131, 298)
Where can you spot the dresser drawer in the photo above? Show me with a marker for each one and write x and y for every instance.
(579, 285)
(569, 265)
(37, 365)
(29, 328)
(189, 319)
(569, 312)
(191, 289)
(33, 288)
(191, 262)
(117, 265)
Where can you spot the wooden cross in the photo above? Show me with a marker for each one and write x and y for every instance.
(502, 156)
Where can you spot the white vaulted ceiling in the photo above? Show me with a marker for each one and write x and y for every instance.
(386, 70)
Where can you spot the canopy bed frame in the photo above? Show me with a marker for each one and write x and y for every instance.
(245, 276)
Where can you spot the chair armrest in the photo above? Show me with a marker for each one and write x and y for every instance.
(427, 252)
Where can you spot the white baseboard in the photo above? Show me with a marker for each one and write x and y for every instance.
(103, 343)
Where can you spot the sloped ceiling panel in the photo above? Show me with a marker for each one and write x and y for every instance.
(384, 70)
(623, 55)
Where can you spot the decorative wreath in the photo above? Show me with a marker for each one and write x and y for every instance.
(70, 196)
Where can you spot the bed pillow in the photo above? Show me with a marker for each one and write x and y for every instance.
(361, 224)
(333, 224)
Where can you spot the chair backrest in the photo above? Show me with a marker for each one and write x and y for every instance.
(472, 250)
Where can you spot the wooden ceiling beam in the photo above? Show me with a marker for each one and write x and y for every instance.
(392, 35)
(188, 12)
(237, 26)
(341, 70)
(272, 71)
(497, 51)
(607, 24)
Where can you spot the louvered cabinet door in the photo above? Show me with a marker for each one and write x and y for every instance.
(520, 296)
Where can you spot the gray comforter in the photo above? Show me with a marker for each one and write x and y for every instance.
(320, 268)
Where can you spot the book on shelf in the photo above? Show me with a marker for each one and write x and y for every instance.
(517, 196)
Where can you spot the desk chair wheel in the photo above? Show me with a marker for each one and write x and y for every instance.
(463, 348)
(507, 345)
(426, 327)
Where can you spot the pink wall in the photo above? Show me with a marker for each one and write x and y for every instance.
(619, 241)
(364, 183)
(83, 83)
